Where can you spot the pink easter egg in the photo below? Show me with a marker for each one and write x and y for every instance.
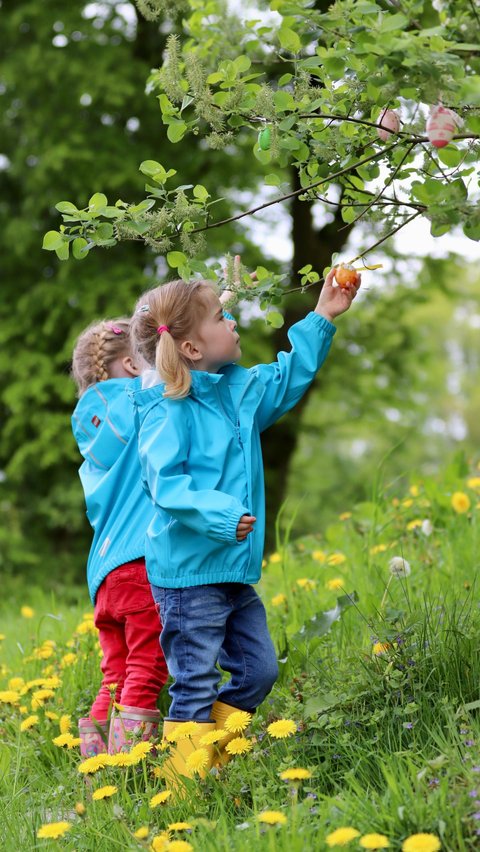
(388, 123)
(441, 126)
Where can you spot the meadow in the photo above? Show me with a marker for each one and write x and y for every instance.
(369, 740)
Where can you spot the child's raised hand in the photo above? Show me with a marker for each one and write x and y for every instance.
(245, 526)
(334, 301)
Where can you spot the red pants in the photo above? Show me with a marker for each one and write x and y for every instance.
(129, 629)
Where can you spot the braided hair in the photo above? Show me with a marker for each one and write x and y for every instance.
(96, 348)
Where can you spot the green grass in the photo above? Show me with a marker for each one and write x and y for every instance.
(385, 692)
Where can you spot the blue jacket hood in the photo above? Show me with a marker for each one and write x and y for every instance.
(118, 508)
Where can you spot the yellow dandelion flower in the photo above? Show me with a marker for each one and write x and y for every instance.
(460, 502)
(160, 798)
(104, 792)
(282, 728)
(473, 482)
(272, 818)
(335, 583)
(377, 548)
(319, 556)
(141, 833)
(51, 715)
(279, 599)
(2, 637)
(211, 738)
(274, 557)
(295, 774)
(65, 723)
(53, 829)
(9, 696)
(306, 583)
(336, 559)
(92, 764)
(122, 758)
(179, 826)
(27, 612)
(160, 842)
(238, 721)
(374, 841)
(345, 516)
(239, 745)
(23, 709)
(183, 730)
(16, 683)
(85, 627)
(412, 525)
(80, 809)
(179, 846)
(421, 843)
(380, 648)
(67, 740)
(407, 503)
(414, 490)
(42, 694)
(140, 751)
(68, 660)
(29, 722)
(197, 760)
(341, 837)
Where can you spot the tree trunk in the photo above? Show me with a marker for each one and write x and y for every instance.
(279, 443)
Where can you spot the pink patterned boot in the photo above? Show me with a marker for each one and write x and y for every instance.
(130, 726)
(93, 737)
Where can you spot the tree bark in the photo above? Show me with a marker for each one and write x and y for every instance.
(315, 246)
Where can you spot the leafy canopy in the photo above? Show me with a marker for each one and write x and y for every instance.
(305, 87)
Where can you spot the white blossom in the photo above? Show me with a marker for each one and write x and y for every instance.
(399, 567)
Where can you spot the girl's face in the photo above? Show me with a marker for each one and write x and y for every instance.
(215, 339)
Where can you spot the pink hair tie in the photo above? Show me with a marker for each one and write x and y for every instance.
(115, 328)
(162, 328)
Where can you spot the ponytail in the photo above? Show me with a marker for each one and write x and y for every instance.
(164, 317)
(96, 348)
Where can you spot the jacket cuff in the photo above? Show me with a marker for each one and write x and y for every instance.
(320, 323)
(232, 523)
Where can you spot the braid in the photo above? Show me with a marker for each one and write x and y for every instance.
(96, 348)
(99, 338)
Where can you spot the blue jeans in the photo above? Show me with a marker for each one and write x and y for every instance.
(205, 625)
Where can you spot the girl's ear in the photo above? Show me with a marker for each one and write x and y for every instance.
(189, 351)
(132, 366)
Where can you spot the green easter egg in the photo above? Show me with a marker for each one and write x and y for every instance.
(264, 138)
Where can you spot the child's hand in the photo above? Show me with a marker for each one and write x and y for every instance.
(245, 526)
(334, 301)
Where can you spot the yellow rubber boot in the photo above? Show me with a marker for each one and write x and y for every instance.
(188, 756)
(221, 712)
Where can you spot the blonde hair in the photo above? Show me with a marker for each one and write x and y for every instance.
(96, 348)
(180, 306)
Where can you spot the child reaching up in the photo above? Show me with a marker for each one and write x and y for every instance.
(119, 511)
(199, 419)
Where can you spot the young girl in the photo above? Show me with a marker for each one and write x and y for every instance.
(119, 511)
(199, 419)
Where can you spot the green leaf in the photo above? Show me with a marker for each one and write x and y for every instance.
(66, 207)
(79, 249)
(289, 39)
(150, 168)
(275, 319)
(97, 202)
(176, 259)
(200, 192)
(437, 230)
(104, 231)
(63, 251)
(393, 22)
(176, 131)
(321, 623)
(272, 180)
(52, 240)
(242, 63)
(450, 155)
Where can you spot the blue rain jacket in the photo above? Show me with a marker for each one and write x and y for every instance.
(118, 508)
(202, 463)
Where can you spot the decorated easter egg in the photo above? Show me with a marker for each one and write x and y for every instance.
(442, 124)
(388, 123)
